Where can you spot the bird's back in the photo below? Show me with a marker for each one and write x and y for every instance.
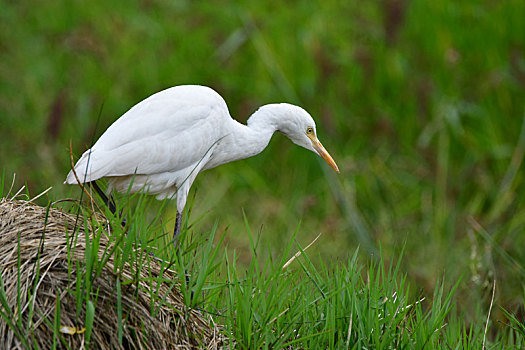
(166, 133)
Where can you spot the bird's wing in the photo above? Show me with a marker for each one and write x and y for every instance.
(166, 132)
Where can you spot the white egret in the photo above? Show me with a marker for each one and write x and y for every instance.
(163, 142)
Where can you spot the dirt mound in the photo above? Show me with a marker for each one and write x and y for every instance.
(52, 294)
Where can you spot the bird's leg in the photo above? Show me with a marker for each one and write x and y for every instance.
(176, 233)
(176, 230)
(108, 201)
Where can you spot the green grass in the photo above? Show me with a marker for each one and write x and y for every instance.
(274, 302)
(420, 103)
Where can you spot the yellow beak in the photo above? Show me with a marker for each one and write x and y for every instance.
(322, 152)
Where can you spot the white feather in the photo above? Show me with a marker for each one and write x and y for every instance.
(163, 142)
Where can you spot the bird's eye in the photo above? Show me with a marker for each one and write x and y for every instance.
(309, 130)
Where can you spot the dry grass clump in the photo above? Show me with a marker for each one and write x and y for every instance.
(39, 275)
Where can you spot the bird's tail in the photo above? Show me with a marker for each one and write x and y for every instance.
(83, 170)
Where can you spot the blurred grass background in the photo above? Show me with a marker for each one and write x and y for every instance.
(420, 103)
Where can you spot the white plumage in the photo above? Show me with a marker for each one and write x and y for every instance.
(163, 142)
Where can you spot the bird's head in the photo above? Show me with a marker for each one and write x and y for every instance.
(299, 126)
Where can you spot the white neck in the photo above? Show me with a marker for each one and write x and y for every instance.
(245, 141)
(252, 139)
